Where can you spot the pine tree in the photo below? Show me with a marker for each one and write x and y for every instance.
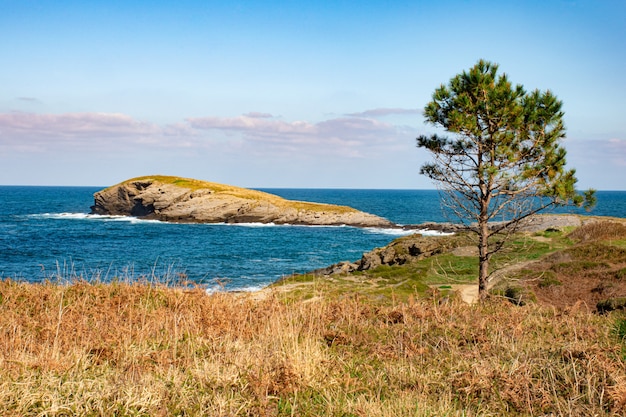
(503, 161)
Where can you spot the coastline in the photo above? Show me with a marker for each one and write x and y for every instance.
(38, 244)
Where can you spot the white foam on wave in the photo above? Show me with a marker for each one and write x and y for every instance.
(248, 288)
(251, 288)
(271, 224)
(98, 217)
(426, 232)
(249, 224)
(406, 232)
(131, 219)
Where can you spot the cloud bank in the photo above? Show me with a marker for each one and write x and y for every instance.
(28, 131)
(262, 132)
(600, 152)
(350, 136)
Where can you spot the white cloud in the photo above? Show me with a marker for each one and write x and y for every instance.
(72, 125)
(255, 126)
(616, 149)
(598, 151)
(254, 132)
(30, 131)
(259, 115)
(28, 99)
(351, 136)
(381, 112)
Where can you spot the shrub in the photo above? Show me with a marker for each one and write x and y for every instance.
(601, 230)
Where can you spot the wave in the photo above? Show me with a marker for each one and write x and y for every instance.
(405, 232)
(248, 224)
(98, 217)
(271, 224)
(132, 219)
(213, 289)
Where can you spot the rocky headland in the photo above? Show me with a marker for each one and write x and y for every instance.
(176, 199)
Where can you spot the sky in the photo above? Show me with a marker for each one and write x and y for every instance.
(295, 94)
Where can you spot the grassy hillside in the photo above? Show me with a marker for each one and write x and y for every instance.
(553, 267)
(455, 265)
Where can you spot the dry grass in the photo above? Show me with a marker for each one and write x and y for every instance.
(600, 230)
(138, 349)
(590, 270)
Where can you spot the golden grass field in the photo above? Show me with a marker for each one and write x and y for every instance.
(138, 349)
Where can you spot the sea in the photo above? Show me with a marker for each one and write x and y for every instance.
(47, 234)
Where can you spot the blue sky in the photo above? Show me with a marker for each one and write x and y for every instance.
(287, 93)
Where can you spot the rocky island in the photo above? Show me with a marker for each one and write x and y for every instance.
(176, 199)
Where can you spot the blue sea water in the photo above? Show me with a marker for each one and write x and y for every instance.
(47, 233)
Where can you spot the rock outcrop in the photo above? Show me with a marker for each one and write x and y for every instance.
(177, 199)
(400, 251)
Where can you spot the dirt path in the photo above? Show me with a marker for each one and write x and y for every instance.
(469, 292)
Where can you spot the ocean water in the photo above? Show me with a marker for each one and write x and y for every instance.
(48, 233)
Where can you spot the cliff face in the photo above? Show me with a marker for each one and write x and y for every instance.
(186, 200)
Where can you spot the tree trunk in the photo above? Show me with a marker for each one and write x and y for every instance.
(483, 244)
(483, 261)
